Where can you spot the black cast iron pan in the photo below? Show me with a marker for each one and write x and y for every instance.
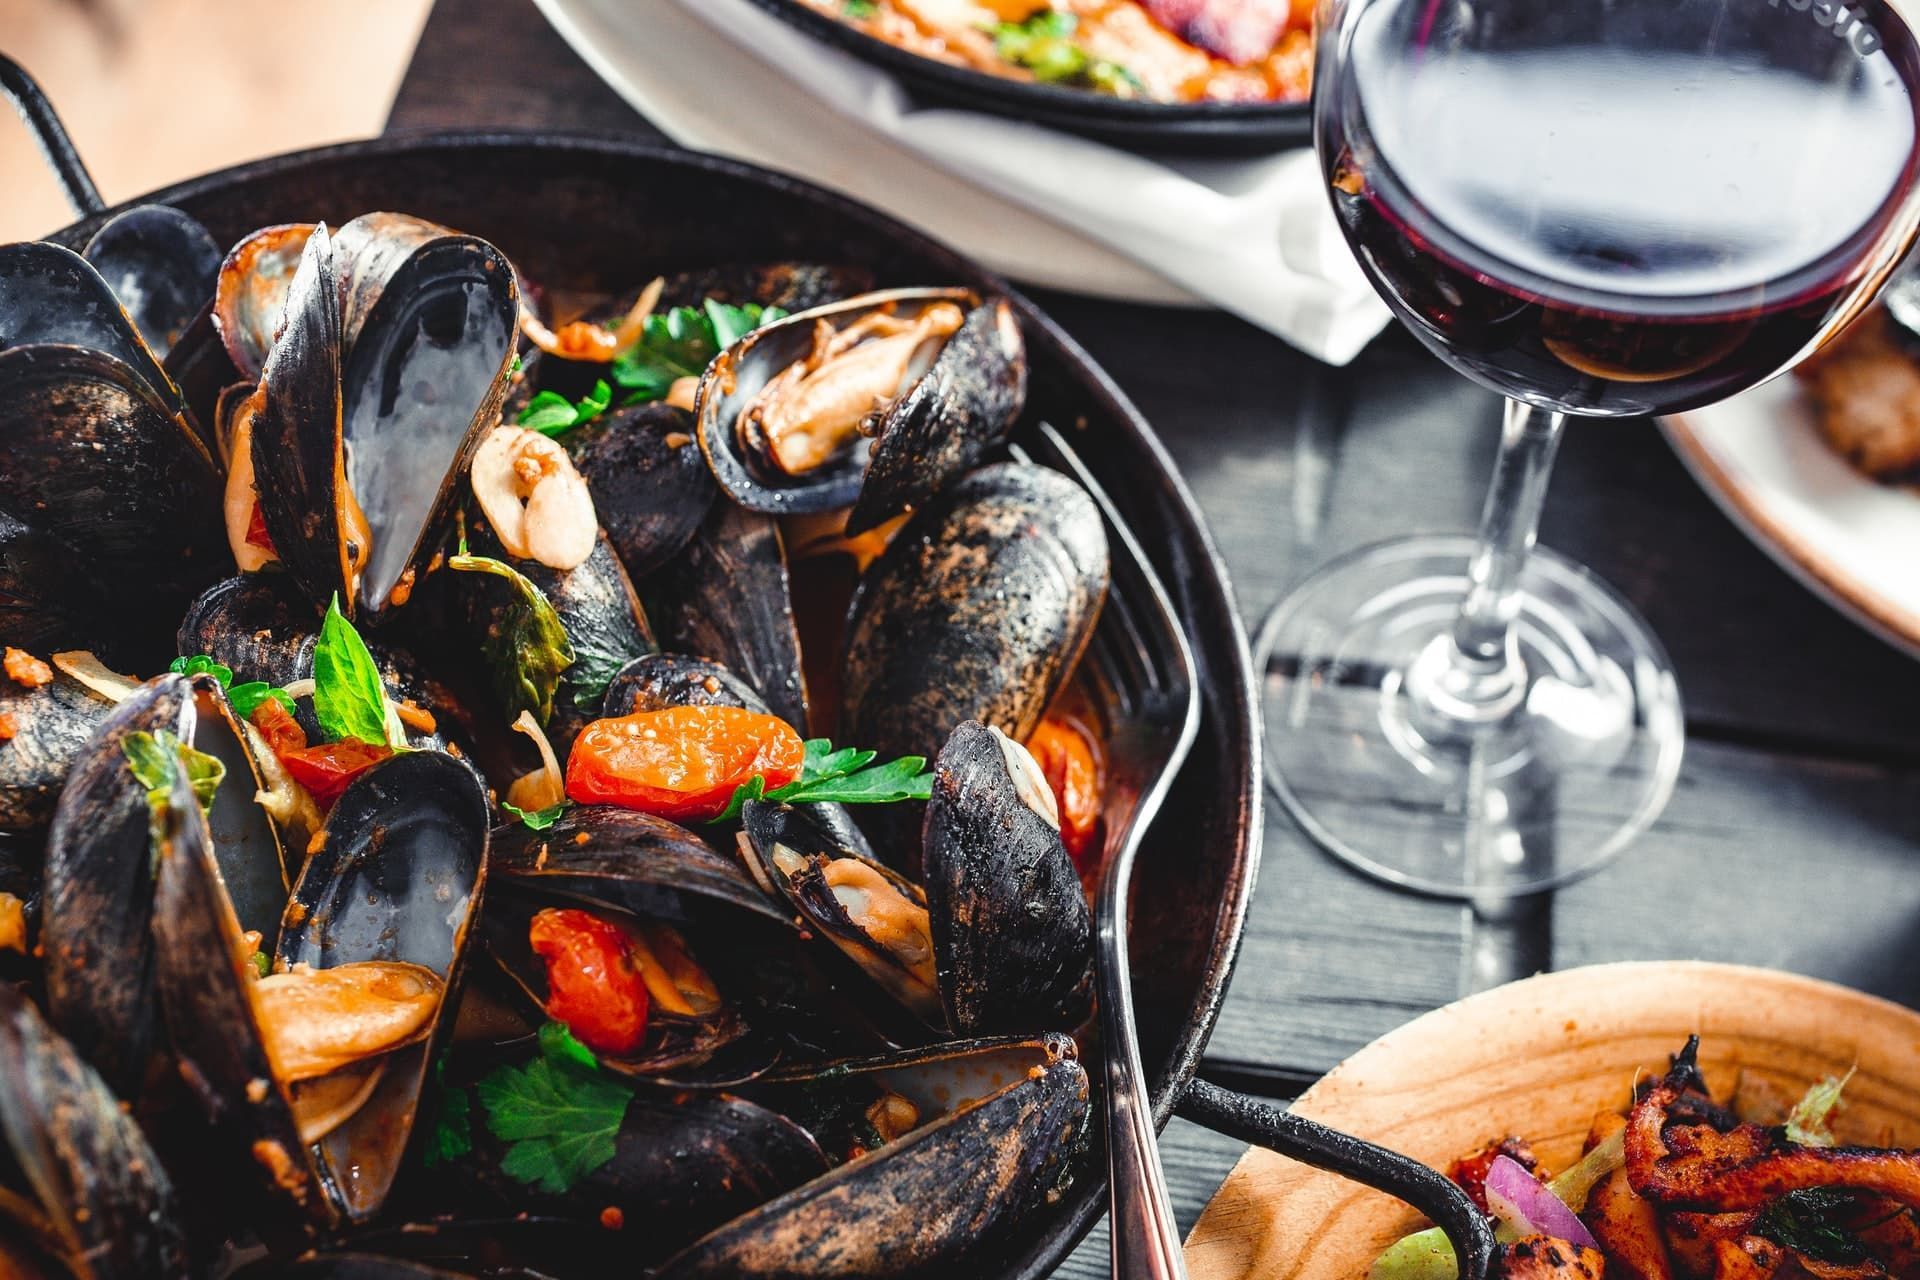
(1172, 128)
(597, 213)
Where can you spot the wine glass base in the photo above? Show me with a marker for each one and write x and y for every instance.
(1548, 787)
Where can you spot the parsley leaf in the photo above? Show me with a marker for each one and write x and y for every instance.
(527, 649)
(538, 819)
(841, 776)
(1810, 1121)
(551, 413)
(244, 697)
(860, 10)
(558, 1113)
(681, 343)
(349, 698)
(1810, 1220)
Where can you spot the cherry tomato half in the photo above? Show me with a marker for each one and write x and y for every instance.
(681, 762)
(326, 770)
(277, 725)
(592, 984)
(1065, 754)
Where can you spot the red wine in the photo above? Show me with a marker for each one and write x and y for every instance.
(1616, 227)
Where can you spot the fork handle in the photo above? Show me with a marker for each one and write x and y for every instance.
(1145, 1241)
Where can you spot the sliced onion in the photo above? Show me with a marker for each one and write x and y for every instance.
(1526, 1206)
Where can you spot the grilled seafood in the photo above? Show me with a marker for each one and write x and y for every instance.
(404, 910)
(1687, 1185)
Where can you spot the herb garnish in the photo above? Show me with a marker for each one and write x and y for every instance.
(452, 1134)
(244, 697)
(538, 819)
(154, 760)
(841, 776)
(551, 413)
(860, 10)
(558, 1113)
(1810, 1220)
(1044, 45)
(1810, 1123)
(681, 343)
(349, 698)
(528, 649)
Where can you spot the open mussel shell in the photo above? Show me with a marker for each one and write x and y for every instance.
(251, 292)
(978, 610)
(424, 377)
(97, 1184)
(52, 725)
(651, 487)
(645, 872)
(905, 426)
(1013, 937)
(395, 882)
(705, 1048)
(51, 296)
(924, 1204)
(92, 455)
(369, 251)
(873, 916)
(726, 598)
(357, 448)
(161, 264)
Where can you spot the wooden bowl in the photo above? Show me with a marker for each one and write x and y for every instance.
(1539, 1058)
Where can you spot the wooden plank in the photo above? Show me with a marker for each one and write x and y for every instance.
(1197, 1161)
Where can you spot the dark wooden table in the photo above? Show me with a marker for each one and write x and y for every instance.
(1790, 840)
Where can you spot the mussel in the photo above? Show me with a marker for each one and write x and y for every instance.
(252, 291)
(84, 1195)
(363, 424)
(161, 264)
(95, 450)
(993, 1128)
(651, 487)
(726, 598)
(978, 610)
(673, 897)
(50, 724)
(998, 938)
(934, 378)
(312, 1074)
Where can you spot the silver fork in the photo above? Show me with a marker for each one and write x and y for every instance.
(1140, 653)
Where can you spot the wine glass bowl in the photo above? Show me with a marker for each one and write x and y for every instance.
(1597, 209)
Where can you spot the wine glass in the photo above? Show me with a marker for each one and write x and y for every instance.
(1601, 209)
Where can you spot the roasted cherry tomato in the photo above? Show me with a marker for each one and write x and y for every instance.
(592, 984)
(326, 770)
(277, 725)
(682, 762)
(1065, 753)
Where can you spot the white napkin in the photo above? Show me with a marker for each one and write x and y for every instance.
(1254, 236)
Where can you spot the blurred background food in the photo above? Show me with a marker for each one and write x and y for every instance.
(158, 90)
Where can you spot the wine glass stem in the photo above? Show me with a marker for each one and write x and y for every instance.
(1473, 675)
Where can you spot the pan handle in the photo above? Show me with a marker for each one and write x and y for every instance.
(42, 121)
(1254, 1120)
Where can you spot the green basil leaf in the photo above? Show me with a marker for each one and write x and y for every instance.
(349, 698)
(549, 411)
(200, 664)
(246, 698)
(592, 671)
